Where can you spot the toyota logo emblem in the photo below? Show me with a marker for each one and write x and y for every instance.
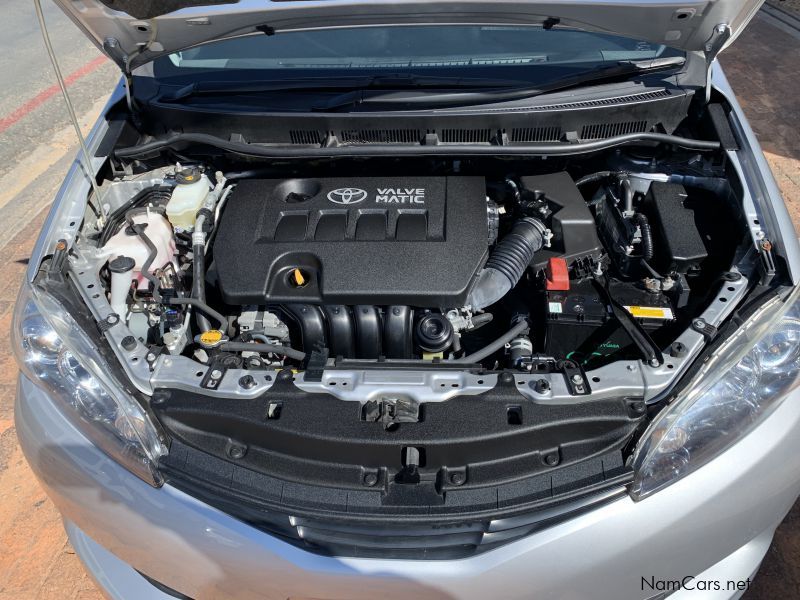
(347, 196)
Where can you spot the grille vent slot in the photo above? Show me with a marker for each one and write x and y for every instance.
(535, 134)
(380, 136)
(605, 130)
(306, 136)
(608, 101)
(465, 136)
(654, 95)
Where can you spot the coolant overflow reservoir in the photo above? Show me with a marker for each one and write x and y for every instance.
(190, 191)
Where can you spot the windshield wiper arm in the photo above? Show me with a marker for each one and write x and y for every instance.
(621, 69)
(396, 81)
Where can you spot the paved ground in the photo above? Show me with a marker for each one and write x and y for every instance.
(36, 146)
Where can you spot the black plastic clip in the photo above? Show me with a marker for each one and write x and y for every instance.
(315, 365)
(707, 329)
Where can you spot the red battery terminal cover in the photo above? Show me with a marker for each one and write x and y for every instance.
(557, 275)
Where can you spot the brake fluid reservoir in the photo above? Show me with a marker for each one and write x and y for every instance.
(127, 242)
(187, 198)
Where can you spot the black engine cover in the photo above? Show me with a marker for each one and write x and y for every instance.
(415, 241)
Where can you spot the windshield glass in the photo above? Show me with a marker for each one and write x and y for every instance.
(522, 52)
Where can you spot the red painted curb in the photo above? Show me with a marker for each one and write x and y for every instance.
(44, 96)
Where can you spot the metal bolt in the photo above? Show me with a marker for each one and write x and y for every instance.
(631, 368)
(248, 382)
(576, 378)
(457, 478)
(216, 374)
(150, 357)
(653, 362)
(542, 386)
(112, 319)
(507, 377)
(552, 459)
(699, 324)
(236, 451)
(370, 479)
(638, 407)
(677, 350)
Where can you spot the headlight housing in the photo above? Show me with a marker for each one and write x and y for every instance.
(56, 354)
(746, 379)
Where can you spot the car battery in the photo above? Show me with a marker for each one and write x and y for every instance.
(581, 327)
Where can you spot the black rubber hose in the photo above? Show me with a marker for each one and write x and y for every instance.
(511, 256)
(514, 252)
(496, 345)
(148, 196)
(647, 236)
(480, 320)
(152, 252)
(202, 306)
(259, 347)
(592, 177)
(182, 140)
(199, 282)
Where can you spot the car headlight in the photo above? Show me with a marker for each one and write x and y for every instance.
(747, 378)
(57, 355)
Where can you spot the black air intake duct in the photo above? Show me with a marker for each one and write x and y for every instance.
(507, 263)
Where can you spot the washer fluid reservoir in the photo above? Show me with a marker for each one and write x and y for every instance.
(188, 196)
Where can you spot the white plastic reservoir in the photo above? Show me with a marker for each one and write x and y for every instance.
(128, 243)
(190, 191)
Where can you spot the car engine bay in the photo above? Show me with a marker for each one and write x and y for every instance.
(542, 273)
(409, 335)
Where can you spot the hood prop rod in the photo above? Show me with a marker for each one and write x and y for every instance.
(719, 37)
(97, 206)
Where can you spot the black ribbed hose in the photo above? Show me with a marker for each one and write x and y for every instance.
(507, 263)
(199, 283)
(647, 236)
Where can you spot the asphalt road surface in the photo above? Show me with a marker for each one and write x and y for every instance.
(36, 138)
(37, 145)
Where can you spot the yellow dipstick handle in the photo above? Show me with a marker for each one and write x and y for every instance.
(299, 280)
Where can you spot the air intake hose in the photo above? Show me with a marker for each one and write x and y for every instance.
(507, 263)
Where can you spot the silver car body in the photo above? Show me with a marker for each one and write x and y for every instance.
(714, 525)
(135, 32)
(706, 533)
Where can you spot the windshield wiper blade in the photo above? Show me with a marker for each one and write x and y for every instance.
(603, 74)
(397, 81)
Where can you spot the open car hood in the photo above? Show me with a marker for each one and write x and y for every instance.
(134, 32)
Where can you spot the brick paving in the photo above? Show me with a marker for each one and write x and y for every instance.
(36, 560)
